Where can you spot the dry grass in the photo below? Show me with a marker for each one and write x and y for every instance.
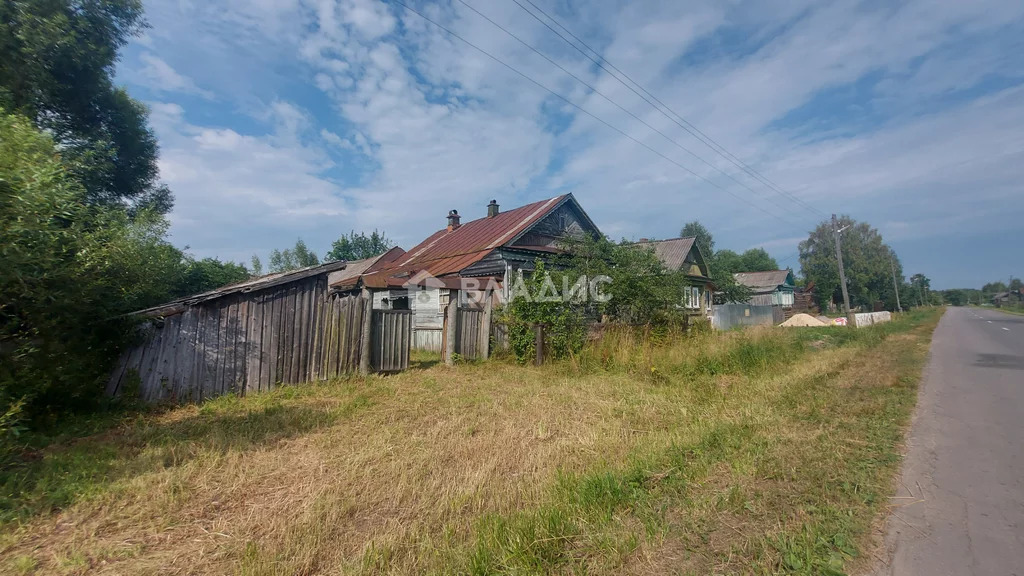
(715, 453)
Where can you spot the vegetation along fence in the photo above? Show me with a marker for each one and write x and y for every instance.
(252, 342)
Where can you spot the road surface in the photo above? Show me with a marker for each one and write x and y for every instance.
(960, 508)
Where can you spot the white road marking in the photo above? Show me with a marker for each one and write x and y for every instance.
(1005, 328)
(989, 321)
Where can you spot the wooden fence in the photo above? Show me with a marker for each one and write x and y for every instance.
(244, 343)
(392, 335)
(468, 332)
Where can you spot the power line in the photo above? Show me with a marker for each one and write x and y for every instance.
(610, 101)
(580, 108)
(674, 116)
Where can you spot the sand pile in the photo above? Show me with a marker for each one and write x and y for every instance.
(803, 320)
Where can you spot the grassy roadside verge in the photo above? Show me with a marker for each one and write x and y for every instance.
(764, 452)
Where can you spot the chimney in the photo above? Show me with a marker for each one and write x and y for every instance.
(492, 209)
(453, 219)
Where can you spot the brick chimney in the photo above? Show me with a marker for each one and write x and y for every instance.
(453, 219)
(492, 209)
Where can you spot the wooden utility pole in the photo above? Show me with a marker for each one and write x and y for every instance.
(895, 286)
(842, 272)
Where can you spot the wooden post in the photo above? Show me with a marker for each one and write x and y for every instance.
(451, 319)
(485, 327)
(365, 340)
(538, 344)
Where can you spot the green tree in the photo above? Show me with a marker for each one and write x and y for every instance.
(355, 246)
(866, 259)
(753, 260)
(1015, 284)
(257, 265)
(705, 241)
(208, 274)
(994, 287)
(293, 258)
(70, 271)
(57, 60)
(641, 289)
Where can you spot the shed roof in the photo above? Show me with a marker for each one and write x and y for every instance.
(767, 280)
(449, 251)
(251, 285)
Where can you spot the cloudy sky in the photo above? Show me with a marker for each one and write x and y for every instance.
(281, 119)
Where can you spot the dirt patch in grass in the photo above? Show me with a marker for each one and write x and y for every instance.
(752, 452)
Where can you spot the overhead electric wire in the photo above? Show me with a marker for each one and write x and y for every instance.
(580, 108)
(610, 101)
(674, 116)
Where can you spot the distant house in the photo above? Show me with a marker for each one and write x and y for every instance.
(769, 288)
(477, 258)
(1011, 298)
(682, 254)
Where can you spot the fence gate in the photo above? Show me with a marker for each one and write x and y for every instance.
(469, 331)
(391, 337)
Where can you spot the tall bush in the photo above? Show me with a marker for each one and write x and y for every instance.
(70, 269)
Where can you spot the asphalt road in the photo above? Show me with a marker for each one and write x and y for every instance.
(960, 508)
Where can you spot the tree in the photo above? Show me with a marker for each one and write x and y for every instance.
(57, 61)
(753, 260)
(1015, 284)
(292, 258)
(641, 289)
(705, 242)
(919, 286)
(358, 246)
(257, 265)
(208, 274)
(70, 271)
(994, 287)
(866, 259)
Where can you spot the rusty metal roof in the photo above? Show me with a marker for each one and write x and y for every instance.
(450, 251)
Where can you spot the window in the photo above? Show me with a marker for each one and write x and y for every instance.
(693, 297)
(443, 295)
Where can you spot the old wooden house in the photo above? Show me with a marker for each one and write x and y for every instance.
(770, 287)
(473, 260)
(683, 254)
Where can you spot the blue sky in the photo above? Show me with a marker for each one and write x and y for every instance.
(281, 119)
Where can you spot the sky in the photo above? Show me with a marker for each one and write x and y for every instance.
(281, 119)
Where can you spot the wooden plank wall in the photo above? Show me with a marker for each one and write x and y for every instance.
(467, 333)
(244, 343)
(391, 340)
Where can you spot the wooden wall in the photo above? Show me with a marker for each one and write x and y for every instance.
(244, 343)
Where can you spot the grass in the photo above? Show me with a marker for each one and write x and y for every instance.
(764, 452)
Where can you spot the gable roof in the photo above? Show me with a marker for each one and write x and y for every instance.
(767, 280)
(450, 251)
(671, 252)
(348, 277)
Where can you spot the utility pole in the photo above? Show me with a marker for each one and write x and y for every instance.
(894, 284)
(842, 272)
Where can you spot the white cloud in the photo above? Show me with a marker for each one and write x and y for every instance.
(432, 124)
(160, 77)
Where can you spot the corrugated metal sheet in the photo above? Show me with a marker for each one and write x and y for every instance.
(349, 276)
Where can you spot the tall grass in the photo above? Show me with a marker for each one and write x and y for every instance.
(764, 451)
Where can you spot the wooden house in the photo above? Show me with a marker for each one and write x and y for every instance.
(769, 288)
(684, 255)
(475, 258)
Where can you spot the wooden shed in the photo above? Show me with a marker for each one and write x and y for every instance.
(277, 329)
